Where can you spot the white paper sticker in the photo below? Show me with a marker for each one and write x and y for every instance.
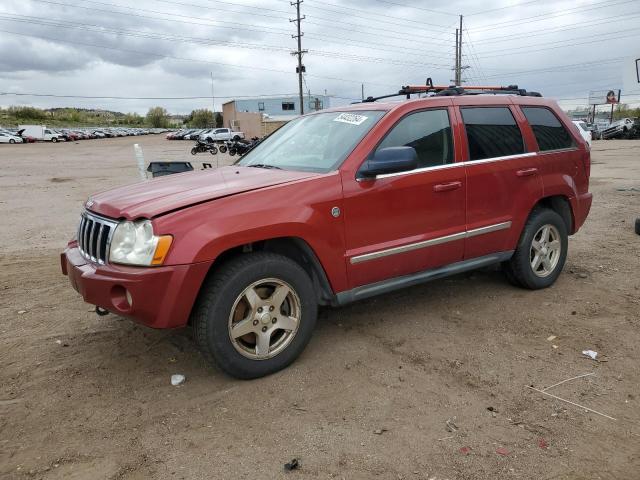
(350, 118)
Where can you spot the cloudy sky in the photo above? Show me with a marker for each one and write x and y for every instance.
(166, 48)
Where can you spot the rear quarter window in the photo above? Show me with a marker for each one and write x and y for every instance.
(491, 132)
(550, 133)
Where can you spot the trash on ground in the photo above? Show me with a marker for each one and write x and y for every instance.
(292, 465)
(542, 443)
(20, 312)
(451, 426)
(465, 450)
(380, 431)
(502, 451)
(590, 353)
(551, 338)
(177, 379)
(59, 342)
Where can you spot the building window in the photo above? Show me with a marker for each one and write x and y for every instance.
(315, 104)
(261, 106)
(288, 106)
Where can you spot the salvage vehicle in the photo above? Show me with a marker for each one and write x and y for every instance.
(334, 207)
(8, 137)
(617, 129)
(584, 131)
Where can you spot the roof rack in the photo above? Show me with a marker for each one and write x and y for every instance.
(453, 90)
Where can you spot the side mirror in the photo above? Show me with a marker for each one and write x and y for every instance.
(389, 160)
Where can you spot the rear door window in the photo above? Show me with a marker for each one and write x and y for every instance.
(549, 132)
(428, 132)
(491, 132)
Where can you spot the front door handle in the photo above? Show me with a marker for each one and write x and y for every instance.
(445, 187)
(527, 172)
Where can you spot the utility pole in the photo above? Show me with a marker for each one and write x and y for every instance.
(455, 67)
(213, 102)
(300, 69)
(458, 69)
(362, 91)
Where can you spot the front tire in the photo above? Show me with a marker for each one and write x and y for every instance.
(541, 251)
(223, 149)
(54, 140)
(213, 150)
(255, 315)
(194, 150)
(11, 140)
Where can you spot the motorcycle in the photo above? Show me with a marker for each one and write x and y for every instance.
(201, 147)
(241, 147)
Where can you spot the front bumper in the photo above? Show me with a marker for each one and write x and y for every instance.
(159, 297)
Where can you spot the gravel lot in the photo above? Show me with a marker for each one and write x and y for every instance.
(87, 397)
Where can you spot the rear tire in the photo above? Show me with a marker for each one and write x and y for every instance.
(541, 251)
(233, 319)
(213, 150)
(236, 138)
(223, 149)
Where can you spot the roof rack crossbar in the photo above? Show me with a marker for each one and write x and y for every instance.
(453, 90)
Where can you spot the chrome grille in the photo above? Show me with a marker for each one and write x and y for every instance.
(94, 237)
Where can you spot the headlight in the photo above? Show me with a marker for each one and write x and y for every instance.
(133, 243)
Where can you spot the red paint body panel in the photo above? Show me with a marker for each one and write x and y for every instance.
(210, 212)
(162, 297)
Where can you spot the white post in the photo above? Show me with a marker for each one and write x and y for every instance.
(140, 158)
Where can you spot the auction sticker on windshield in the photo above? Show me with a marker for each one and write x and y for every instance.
(350, 118)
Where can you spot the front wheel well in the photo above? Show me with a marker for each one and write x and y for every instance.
(559, 204)
(294, 248)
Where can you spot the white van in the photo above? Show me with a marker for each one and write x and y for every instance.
(40, 132)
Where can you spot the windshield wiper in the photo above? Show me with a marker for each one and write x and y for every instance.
(263, 165)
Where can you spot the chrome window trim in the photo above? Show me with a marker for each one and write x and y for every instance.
(499, 159)
(428, 243)
(452, 165)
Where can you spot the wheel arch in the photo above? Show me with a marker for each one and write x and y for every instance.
(562, 206)
(295, 248)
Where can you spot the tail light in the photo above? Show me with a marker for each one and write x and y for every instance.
(586, 162)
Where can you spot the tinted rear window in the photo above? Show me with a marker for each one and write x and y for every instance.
(491, 132)
(549, 132)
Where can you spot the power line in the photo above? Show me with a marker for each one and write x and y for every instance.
(544, 16)
(186, 59)
(482, 12)
(204, 41)
(117, 97)
(551, 30)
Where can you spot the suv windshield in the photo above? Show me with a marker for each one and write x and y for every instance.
(315, 143)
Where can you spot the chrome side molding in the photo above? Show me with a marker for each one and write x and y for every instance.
(428, 243)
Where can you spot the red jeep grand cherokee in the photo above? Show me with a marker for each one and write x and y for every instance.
(337, 206)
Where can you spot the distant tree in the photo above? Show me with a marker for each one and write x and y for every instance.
(27, 113)
(158, 117)
(219, 120)
(202, 118)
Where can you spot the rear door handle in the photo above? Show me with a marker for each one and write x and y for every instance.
(445, 187)
(527, 172)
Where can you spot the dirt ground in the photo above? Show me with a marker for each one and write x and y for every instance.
(426, 383)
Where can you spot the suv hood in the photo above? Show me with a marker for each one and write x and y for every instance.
(173, 192)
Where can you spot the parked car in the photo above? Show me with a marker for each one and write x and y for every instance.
(40, 132)
(617, 129)
(221, 134)
(6, 137)
(334, 207)
(584, 131)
